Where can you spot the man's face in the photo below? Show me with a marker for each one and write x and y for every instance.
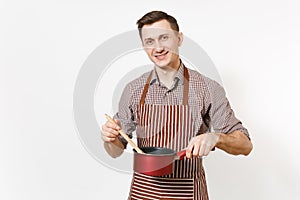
(161, 43)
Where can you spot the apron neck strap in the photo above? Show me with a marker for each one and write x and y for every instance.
(142, 100)
(185, 87)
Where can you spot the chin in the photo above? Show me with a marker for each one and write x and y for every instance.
(162, 63)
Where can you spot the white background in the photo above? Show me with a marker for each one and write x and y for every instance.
(255, 46)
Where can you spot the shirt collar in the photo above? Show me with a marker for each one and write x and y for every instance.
(178, 77)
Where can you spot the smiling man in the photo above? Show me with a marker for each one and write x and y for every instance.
(173, 107)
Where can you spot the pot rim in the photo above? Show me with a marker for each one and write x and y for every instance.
(158, 155)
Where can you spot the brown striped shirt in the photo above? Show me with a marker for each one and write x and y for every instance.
(210, 108)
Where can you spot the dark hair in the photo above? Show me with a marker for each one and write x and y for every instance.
(155, 16)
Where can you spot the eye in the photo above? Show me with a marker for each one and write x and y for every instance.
(165, 37)
(149, 42)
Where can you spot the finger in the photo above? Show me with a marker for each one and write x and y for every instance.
(196, 149)
(202, 149)
(113, 125)
(210, 148)
(109, 124)
(108, 130)
(113, 132)
(206, 151)
(189, 149)
(107, 139)
(109, 135)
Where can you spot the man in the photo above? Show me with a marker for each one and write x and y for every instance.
(174, 107)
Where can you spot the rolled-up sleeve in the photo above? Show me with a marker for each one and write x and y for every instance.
(222, 117)
(125, 114)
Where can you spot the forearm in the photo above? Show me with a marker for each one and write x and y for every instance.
(235, 143)
(115, 148)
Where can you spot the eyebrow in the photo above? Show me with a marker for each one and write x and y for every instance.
(148, 39)
(160, 36)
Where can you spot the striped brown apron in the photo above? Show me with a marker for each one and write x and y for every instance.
(168, 126)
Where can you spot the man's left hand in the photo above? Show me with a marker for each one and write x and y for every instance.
(202, 144)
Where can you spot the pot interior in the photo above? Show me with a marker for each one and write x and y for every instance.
(157, 151)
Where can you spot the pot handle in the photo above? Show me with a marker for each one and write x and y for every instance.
(181, 154)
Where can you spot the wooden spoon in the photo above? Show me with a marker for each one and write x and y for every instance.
(124, 135)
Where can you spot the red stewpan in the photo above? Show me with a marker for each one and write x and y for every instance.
(156, 161)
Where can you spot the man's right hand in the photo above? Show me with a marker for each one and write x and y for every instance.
(110, 130)
(109, 135)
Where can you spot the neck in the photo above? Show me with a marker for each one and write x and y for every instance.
(167, 74)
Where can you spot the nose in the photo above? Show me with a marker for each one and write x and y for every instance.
(158, 47)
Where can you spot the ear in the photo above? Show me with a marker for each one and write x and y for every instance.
(180, 38)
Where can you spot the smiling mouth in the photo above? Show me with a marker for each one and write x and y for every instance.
(162, 56)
